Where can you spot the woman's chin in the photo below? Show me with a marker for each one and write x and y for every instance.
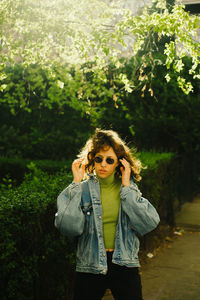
(102, 174)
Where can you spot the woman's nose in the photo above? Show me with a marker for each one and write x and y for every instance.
(103, 163)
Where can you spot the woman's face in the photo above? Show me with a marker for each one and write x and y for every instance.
(103, 168)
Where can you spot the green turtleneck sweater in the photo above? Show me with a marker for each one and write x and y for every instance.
(110, 201)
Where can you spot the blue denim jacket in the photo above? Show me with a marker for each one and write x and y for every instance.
(80, 215)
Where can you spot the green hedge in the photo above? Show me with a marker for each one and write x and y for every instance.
(15, 168)
(158, 183)
(37, 263)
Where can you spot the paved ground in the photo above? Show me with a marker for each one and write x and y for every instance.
(189, 216)
(173, 273)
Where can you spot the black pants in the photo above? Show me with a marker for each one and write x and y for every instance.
(124, 283)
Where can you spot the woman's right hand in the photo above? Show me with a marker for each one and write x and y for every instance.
(78, 169)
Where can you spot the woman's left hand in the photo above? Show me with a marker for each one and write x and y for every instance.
(126, 171)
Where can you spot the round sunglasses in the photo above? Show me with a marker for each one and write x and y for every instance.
(99, 159)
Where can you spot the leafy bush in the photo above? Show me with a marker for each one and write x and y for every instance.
(31, 126)
(36, 262)
(152, 159)
(51, 122)
(158, 183)
(15, 168)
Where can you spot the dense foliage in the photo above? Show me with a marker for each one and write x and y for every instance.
(13, 170)
(169, 120)
(36, 263)
(80, 32)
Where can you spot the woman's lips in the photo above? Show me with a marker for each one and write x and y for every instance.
(102, 171)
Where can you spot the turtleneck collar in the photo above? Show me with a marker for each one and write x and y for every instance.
(108, 180)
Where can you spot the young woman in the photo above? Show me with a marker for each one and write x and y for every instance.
(105, 214)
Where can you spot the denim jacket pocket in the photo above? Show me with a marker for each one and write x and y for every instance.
(84, 250)
(88, 213)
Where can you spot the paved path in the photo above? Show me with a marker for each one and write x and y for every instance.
(174, 272)
(189, 216)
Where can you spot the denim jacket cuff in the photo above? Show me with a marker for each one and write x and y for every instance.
(75, 184)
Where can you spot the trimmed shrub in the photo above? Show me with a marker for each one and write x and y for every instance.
(36, 262)
(158, 183)
(16, 168)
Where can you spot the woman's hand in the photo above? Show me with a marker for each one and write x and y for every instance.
(126, 171)
(78, 169)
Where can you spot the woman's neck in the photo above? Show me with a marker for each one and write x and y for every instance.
(108, 180)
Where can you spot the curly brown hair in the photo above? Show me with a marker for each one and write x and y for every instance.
(109, 138)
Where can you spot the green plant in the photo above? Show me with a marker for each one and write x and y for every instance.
(14, 169)
(36, 262)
